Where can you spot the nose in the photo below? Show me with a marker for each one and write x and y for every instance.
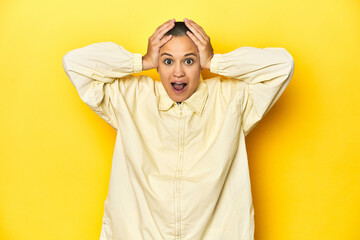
(178, 71)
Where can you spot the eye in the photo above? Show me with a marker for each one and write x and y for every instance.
(189, 61)
(167, 61)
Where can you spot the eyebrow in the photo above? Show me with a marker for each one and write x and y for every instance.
(188, 54)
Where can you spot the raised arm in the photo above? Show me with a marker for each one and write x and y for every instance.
(93, 70)
(263, 74)
(101, 72)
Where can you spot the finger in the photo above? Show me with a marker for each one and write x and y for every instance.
(196, 32)
(195, 39)
(165, 40)
(159, 35)
(199, 28)
(167, 25)
(159, 27)
(163, 31)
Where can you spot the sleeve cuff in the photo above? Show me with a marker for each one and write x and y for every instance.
(137, 61)
(214, 65)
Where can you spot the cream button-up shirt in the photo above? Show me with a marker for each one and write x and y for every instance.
(179, 171)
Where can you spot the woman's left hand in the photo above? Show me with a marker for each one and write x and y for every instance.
(202, 41)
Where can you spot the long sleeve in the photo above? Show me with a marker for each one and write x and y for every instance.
(94, 69)
(263, 74)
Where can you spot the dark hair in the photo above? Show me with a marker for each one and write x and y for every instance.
(178, 30)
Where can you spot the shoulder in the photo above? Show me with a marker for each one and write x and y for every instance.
(134, 84)
(139, 81)
(221, 85)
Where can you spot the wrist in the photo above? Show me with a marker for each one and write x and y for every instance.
(146, 64)
(208, 63)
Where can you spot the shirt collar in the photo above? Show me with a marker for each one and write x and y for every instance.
(196, 101)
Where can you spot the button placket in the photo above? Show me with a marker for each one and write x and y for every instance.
(178, 172)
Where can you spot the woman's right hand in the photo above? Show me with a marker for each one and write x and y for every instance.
(156, 41)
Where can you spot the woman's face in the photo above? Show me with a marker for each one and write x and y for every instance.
(179, 68)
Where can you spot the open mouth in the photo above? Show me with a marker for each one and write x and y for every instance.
(178, 87)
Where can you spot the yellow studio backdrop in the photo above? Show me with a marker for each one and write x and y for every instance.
(55, 153)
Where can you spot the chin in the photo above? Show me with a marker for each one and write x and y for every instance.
(178, 99)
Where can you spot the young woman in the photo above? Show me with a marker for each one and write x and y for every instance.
(179, 169)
